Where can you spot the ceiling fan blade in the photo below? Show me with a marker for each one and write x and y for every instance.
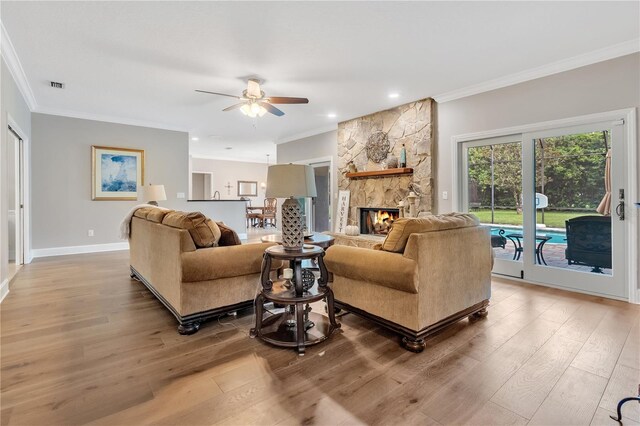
(273, 110)
(220, 94)
(285, 100)
(236, 106)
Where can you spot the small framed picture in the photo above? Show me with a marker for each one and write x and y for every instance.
(117, 173)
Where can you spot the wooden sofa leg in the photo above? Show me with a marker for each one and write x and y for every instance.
(482, 313)
(413, 345)
(189, 328)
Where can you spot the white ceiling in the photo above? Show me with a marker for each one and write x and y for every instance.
(141, 61)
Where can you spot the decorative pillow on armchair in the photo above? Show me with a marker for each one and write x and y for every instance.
(399, 233)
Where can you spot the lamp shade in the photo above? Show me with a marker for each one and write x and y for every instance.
(154, 193)
(290, 180)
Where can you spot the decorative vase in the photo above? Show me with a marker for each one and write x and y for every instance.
(392, 162)
(351, 167)
(352, 230)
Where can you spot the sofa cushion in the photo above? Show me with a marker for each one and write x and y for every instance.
(398, 235)
(142, 212)
(373, 266)
(157, 215)
(224, 262)
(228, 237)
(204, 232)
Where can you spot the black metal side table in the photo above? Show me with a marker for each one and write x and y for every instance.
(306, 328)
(516, 239)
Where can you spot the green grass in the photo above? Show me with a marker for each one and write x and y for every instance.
(553, 219)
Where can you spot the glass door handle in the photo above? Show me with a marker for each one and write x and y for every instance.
(620, 210)
(620, 206)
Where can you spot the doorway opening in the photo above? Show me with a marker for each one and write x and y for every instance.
(15, 201)
(202, 186)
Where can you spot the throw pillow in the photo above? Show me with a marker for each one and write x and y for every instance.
(203, 231)
(398, 235)
(142, 212)
(157, 215)
(228, 237)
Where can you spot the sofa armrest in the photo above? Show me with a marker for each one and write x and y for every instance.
(374, 266)
(453, 269)
(223, 262)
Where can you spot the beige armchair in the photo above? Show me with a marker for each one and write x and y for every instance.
(419, 282)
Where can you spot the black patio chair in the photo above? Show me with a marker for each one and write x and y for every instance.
(589, 242)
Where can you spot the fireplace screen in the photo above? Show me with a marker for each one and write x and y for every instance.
(377, 221)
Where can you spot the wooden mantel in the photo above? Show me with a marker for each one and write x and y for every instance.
(381, 173)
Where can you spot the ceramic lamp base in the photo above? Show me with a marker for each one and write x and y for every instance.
(292, 234)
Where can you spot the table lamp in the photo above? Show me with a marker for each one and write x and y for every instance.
(289, 181)
(154, 193)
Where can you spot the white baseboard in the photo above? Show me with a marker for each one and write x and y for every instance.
(95, 248)
(4, 290)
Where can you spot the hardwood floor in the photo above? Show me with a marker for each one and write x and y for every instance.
(83, 343)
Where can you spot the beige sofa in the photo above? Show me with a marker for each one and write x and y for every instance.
(193, 283)
(428, 273)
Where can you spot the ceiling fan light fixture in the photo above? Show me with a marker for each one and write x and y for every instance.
(245, 109)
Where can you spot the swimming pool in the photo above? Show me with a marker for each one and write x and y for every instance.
(557, 237)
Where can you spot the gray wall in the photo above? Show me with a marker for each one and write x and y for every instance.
(605, 86)
(13, 104)
(318, 146)
(63, 211)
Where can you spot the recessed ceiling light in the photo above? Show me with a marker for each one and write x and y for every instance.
(332, 115)
(394, 95)
(195, 139)
(228, 147)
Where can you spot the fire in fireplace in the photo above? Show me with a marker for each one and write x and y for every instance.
(377, 221)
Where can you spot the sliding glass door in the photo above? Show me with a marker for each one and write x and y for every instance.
(554, 200)
(492, 190)
(578, 175)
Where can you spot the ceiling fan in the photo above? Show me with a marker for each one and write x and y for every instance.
(255, 104)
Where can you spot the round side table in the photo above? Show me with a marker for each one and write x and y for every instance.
(317, 239)
(308, 328)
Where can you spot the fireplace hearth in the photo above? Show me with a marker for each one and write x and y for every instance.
(377, 220)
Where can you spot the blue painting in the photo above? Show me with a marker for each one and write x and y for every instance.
(119, 173)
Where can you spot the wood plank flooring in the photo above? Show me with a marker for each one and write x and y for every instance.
(81, 343)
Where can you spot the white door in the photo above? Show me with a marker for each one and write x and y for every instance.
(585, 250)
(15, 185)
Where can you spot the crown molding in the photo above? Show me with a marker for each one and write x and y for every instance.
(307, 134)
(108, 119)
(227, 159)
(15, 68)
(600, 55)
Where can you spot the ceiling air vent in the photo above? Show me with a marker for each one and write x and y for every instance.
(56, 85)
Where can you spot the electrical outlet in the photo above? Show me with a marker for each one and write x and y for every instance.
(180, 195)
(445, 195)
(90, 233)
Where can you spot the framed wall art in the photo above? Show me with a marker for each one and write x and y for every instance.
(247, 188)
(117, 173)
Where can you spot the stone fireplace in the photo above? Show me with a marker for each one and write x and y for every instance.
(410, 124)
